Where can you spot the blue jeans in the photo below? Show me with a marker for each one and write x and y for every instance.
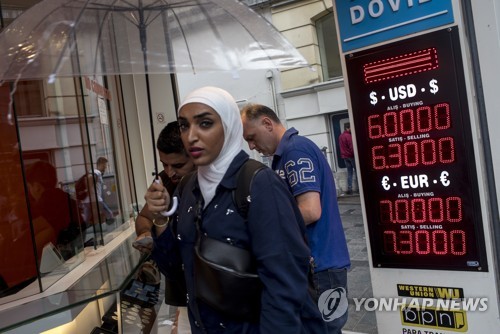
(331, 297)
(104, 211)
(351, 166)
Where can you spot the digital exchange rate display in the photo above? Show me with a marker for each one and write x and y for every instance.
(415, 153)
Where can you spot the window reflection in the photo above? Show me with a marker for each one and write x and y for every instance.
(65, 132)
(17, 255)
(90, 190)
(55, 215)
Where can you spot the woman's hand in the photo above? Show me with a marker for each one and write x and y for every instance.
(157, 198)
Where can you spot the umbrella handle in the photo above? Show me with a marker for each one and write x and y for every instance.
(175, 202)
(170, 212)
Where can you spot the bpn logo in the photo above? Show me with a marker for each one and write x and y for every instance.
(452, 320)
(333, 304)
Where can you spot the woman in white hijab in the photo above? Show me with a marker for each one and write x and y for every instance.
(272, 231)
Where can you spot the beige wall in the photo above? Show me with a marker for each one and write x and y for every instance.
(296, 21)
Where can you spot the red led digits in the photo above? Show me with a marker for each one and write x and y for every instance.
(409, 121)
(411, 157)
(428, 152)
(436, 214)
(424, 123)
(413, 153)
(424, 242)
(454, 209)
(440, 242)
(390, 244)
(374, 127)
(386, 212)
(434, 210)
(458, 242)
(446, 150)
(390, 124)
(394, 158)
(418, 210)
(402, 216)
(442, 116)
(378, 157)
(405, 242)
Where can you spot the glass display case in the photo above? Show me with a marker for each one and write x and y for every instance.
(103, 294)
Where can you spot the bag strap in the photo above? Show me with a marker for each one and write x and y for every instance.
(241, 195)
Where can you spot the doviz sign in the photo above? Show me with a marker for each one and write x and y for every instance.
(367, 22)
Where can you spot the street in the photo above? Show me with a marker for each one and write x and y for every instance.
(359, 283)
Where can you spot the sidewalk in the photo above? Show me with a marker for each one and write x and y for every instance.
(359, 282)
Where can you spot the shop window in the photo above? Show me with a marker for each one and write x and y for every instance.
(42, 220)
(45, 221)
(52, 135)
(328, 47)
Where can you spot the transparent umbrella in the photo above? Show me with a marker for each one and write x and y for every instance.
(63, 38)
(140, 36)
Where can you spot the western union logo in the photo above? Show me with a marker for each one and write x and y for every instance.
(427, 291)
(449, 293)
(451, 320)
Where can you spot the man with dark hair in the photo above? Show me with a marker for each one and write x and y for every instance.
(309, 177)
(175, 160)
(176, 163)
(169, 140)
(347, 153)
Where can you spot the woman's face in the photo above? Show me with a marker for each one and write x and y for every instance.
(202, 132)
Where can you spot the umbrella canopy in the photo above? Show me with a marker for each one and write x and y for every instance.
(61, 38)
(66, 38)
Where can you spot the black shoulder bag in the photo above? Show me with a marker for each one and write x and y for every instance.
(226, 276)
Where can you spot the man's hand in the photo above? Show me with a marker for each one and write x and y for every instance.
(157, 198)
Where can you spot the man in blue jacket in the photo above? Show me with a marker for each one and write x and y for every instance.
(306, 171)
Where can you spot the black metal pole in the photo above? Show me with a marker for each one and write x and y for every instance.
(143, 39)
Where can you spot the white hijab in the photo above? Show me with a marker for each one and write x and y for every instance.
(223, 103)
